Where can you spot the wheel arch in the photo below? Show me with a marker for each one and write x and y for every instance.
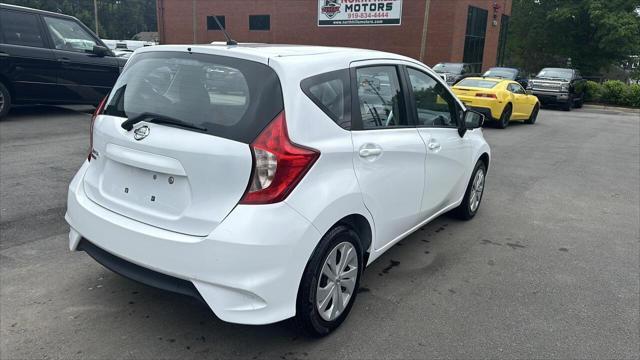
(5, 81)
(361, 225)
(486, 159)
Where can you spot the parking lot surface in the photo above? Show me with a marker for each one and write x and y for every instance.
(547, 269)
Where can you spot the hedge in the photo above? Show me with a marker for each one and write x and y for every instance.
(613, 92)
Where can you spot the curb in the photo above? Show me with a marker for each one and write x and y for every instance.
(612, 108)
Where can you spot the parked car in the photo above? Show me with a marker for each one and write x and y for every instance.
(564, 87)
(268, 199)
(50, 58)
(514, 74)
(454, 72)
(499, 100)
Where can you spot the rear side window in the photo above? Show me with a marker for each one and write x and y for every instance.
(232, 98)
(331, 92)
(21, 29)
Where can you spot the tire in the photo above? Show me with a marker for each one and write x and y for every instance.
(308, 317)
(568, 105)
(503, 122)
(580, 102)
(5, 100)
(534, 115)
(468, 208)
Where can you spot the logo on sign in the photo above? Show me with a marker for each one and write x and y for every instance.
(331, 8)
(141, 132)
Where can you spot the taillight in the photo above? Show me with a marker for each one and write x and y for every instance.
(93, 120)
(278, 164)
(486, 95)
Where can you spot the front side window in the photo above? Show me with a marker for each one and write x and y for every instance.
(434, 104)
(69, 35)
(380, 97)
(331, 93)
(20, 29)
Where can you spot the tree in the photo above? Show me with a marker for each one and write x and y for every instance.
(594, 34)
(118, 19)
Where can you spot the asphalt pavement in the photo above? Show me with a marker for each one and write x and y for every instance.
(549, 268)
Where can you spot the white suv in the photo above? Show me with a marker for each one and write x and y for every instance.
(263, 179)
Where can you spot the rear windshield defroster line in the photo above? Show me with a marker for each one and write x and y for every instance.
(229, 97)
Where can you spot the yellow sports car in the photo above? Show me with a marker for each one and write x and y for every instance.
(499, 100)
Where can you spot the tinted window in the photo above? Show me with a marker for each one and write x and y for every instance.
(331, 93)
(516, 89)
(213, 25)
(69, 35)
(555, 74)
(379, 97)
(434, 104)
(259, 22)
(231, 98)
(478, 83)
(21, 29)
(450, 68)
(474, 37)
(501, 73)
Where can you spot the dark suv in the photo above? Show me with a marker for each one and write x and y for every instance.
(49, 58)
(559, 86)
(514, 74)
(454, 72)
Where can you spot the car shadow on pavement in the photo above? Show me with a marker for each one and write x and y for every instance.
(184, 324)
(18, 113)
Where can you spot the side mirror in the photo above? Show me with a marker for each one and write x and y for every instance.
(529, 92)
(100, 50)
(473, 119)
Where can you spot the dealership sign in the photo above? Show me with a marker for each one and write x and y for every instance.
(359, 12)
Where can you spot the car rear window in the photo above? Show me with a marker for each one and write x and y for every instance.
(232, 98)
(477, 83)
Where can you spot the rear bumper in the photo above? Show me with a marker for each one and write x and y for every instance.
(490, 108)
(247, 270)
(547, 97)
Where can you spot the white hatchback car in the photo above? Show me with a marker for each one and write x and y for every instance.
(262, 179)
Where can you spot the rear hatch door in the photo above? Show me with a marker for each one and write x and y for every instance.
(176, 177)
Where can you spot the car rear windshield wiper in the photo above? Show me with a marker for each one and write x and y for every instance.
(158, 119)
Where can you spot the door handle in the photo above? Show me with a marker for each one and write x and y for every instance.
(368, 152)
(4, 54)
(434, 146)
(64, 60)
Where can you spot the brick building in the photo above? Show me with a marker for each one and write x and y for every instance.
(432, 31)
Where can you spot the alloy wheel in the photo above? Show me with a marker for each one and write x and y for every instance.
(337, 281)
(1, 102)
(476, 190)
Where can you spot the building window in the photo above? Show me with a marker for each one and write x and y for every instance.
(502, 42)
(259, 22)
(213, 25)
(474, 38)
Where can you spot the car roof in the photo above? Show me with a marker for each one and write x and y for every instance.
(34, 11)
(283, 52)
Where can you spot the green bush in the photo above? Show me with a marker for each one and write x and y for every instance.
(593, 91)
(632, 96)
(613, 92)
